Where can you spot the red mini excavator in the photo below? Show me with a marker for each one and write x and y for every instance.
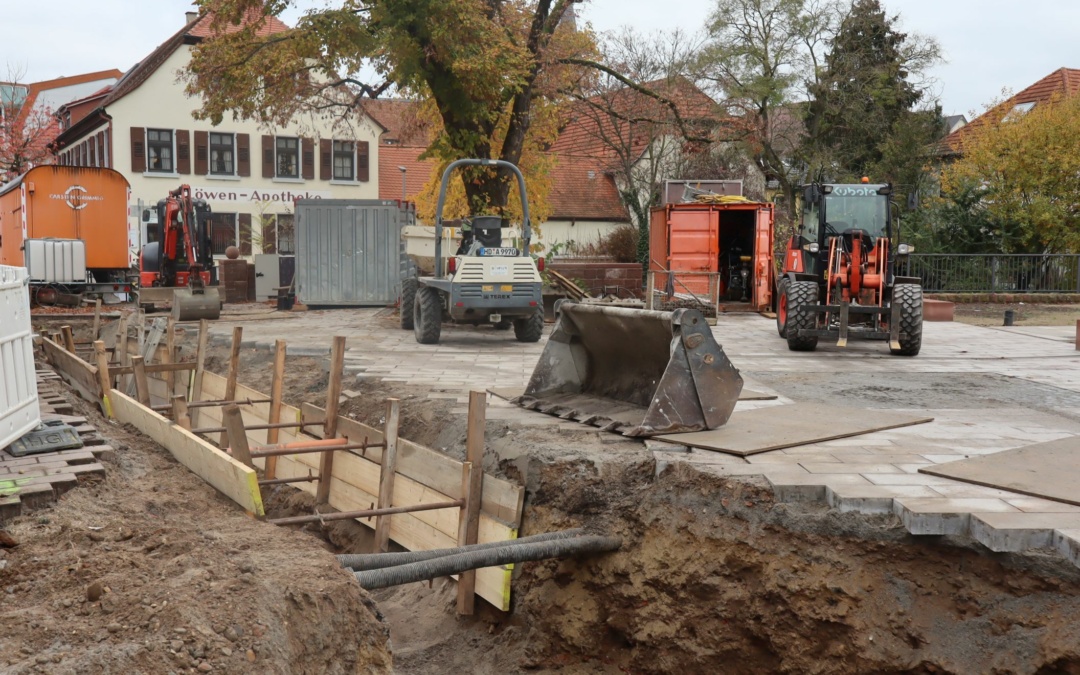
(845, 253)
(176, 268)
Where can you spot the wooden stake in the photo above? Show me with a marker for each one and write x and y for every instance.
(386, 474)
(142, 387)
(469, 522)
(121, 347)
(103, 377)
(238, 440)
(180, 412)
(333, 393)
(200, 367)
(170, 354)
(276, 386)
(96, 330)
(69, 339)
(234, 372)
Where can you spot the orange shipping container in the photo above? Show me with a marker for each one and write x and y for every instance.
(67, 202)
(713, 242)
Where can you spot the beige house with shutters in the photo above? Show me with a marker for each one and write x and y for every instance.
(250, 175)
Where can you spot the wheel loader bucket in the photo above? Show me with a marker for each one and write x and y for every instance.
(188, 305)
(635, 371)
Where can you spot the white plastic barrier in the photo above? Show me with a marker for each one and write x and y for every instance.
(19, 412)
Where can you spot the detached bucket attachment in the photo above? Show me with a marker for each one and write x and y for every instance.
(638, 372)
(188, 305)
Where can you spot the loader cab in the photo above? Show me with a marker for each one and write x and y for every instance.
(840, 211)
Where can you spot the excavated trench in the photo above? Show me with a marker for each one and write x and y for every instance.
(713, 573)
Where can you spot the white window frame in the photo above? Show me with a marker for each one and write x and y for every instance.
(146, 145)
(210, 155)
(299, 159)
(333, 162)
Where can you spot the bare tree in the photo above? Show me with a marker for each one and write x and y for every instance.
(637, 114)
(25, 127)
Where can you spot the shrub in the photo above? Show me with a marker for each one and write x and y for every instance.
(621, 244)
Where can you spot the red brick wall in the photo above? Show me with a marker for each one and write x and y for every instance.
(596, 276)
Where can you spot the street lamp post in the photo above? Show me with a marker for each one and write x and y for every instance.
(404, 192)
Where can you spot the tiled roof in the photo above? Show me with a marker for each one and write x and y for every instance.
(194, 31)
(417, 173)
(581, 190)
(399, 117)
(1061, 82)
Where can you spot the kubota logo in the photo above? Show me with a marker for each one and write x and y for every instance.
(77, 197)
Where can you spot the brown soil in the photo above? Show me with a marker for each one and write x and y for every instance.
(1026, 314)
(187, 581)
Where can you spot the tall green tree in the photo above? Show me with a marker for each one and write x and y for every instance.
(864, 115)
(487, 65)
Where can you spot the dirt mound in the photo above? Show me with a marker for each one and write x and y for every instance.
(150, 570)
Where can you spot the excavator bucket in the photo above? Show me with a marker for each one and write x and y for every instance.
(638, 372)
(192, 305)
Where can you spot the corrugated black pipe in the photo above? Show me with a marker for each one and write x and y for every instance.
(491, 557)
(359, 562)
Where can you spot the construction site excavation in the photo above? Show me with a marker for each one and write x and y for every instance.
(837, 521)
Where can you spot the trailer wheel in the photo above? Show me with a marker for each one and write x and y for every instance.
(427, 315)
(530, 329)
(408, 299)
(909, 297)
(799, 295)
(782, 308)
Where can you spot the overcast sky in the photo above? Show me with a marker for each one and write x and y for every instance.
(988, 44)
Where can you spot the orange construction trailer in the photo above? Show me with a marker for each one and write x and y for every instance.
(715, 254)
(68, 226)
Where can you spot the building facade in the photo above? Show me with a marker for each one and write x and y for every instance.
(144, 127)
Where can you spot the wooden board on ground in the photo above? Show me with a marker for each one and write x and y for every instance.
(787, 426)
(230, 477)
(78, 373)
(1049, 470)
(509, 393)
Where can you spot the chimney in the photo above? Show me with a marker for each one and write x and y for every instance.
(190, 16)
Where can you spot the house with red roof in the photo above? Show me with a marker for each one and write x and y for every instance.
(27, 124)
(143, 126)
(1063, 82)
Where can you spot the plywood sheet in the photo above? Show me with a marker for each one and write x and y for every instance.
(786, 426)
(1049, 470)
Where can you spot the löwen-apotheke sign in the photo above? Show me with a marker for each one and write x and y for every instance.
(255, 195)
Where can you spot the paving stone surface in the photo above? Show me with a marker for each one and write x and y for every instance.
(875, 473)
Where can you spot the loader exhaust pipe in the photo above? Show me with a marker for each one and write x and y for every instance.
(638, 372)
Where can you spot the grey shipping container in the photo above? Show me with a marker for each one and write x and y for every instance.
(350, 252)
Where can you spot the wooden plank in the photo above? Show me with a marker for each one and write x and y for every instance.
(276, 385)
(170, 354)
(180, 412)
(122, 348)
(78, 373)
(501, 498)
(103, 375)
(1049, 470)
(469, 518)
(238, 442)
(69, 339)
(95, 330)
(387, 471)
(200, 368)
(236, 481)
(142, 387)
(333, 393)
(778, 427)
(154, 368)
(234, 372)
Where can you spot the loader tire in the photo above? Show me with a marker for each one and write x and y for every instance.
(427, 316)
(408, 299)
(909, 297)
(799, 295)
(530, 329)
(782, 308)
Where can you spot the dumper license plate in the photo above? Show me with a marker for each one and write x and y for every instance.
(499, 252)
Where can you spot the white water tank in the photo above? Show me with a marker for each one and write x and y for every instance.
(56, 261)
(19, 411)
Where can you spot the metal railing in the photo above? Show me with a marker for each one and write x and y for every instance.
(994, 273)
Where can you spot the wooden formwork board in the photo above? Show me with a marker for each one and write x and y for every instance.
(236, 481)
(355, 484)
(79, 374)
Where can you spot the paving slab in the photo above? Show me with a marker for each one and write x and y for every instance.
(1014, 532)
(944, 515)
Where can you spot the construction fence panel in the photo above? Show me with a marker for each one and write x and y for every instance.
(994, 273)
(19, 411)
(676, 290)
